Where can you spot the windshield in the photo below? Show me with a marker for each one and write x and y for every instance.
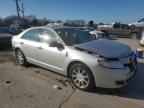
(73, 36)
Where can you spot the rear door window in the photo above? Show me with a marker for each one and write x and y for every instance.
(32, 35)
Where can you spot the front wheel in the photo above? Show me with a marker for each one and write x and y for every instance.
(21, 58)
(81, 76)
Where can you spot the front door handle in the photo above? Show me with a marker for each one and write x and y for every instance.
(39, 47)
(21, 43)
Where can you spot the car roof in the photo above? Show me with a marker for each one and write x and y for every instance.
(53, 27)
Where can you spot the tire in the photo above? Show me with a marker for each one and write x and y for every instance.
(21, 58)
(81, 76)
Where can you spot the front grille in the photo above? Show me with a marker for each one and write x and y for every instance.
(122, 82)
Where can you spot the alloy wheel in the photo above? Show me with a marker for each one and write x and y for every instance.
(20, 57)
(80, 77)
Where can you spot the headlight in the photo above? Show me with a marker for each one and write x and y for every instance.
(111, 64)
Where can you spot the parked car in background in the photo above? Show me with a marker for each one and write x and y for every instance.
(10, 30)
(139, 23)
(142, 39)
(15, 31)
(72, 52)
(84, 28)
(118, 30)
(98, 34)
(5, 38)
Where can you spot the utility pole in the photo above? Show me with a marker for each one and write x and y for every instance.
(18, 10)
(22, 11)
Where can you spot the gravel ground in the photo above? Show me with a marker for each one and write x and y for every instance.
(35, 87)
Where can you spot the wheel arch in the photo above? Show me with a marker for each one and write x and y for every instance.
(15, 49)
(74, 62)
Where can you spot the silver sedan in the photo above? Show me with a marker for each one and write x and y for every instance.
(69, 51)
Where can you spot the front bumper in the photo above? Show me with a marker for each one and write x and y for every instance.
(113, 78)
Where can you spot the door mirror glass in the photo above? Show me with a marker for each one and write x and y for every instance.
(56, 44)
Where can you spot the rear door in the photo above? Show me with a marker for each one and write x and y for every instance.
(29, 43)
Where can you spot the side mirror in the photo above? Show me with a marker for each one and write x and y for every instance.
(55, 44)
(51, 42)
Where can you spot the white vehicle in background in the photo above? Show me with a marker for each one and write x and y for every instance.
(98, 34)
(54, 25)
(84, 28)
(142, 39)
(139, 23)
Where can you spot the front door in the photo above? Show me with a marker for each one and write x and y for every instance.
(52, 58)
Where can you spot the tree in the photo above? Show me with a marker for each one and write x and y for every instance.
(1, 22)
(59, 21)
(28, 21)
(9, 20)
(75, 23)
(35, 22)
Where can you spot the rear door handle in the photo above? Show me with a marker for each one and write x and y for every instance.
(39, 47)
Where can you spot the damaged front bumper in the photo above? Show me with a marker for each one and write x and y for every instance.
(114, 78)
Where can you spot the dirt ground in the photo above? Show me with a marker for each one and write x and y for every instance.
(35, 87)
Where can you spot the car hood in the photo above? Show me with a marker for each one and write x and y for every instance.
(105, 48)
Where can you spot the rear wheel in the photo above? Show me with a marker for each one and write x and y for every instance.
(21, 58)
(81, 76)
